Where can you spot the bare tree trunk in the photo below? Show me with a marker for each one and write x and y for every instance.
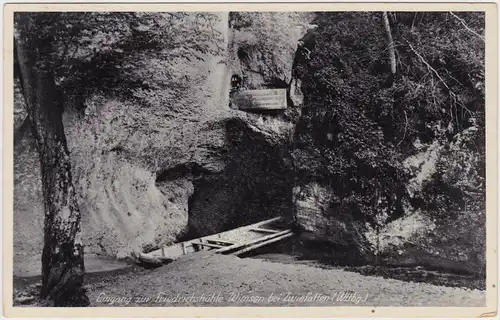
(392, 54)
(62, 258)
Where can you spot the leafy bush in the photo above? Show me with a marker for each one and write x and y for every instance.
(361, 121)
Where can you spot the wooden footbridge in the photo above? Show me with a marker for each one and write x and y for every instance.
(236, 242)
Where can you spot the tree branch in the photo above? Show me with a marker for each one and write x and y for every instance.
(429, 67)
(413, 22)
(466, 26)
(452, 94)
(392, 55)
(406, 128)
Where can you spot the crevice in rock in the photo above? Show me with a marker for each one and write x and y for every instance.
(181, 170)
(254, 185)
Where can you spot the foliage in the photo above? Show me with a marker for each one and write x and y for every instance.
(361, 123)
(458, 185)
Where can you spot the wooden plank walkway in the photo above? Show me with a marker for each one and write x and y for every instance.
(237, 241)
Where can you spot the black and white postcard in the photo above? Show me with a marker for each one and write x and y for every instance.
(181, 156)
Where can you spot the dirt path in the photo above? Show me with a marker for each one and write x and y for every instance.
(205, 279)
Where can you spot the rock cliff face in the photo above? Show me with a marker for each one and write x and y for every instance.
(322, 223)
(255, 181)
(120, 149)
(177, 166)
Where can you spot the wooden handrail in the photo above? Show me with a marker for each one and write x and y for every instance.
(239, 245)
(219, 241)
(265, 230)
(260, 244)
(210, 245)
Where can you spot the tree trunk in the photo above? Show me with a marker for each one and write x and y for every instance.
(392, 54)
(19, 133)
(62, 257)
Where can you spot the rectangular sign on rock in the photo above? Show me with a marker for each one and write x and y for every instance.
(264, 99)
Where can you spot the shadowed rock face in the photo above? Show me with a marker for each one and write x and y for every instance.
(263, 46)
(320, 222)
(257, 178)
(255, 183)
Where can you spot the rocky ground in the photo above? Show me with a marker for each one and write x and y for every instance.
(205, 279)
